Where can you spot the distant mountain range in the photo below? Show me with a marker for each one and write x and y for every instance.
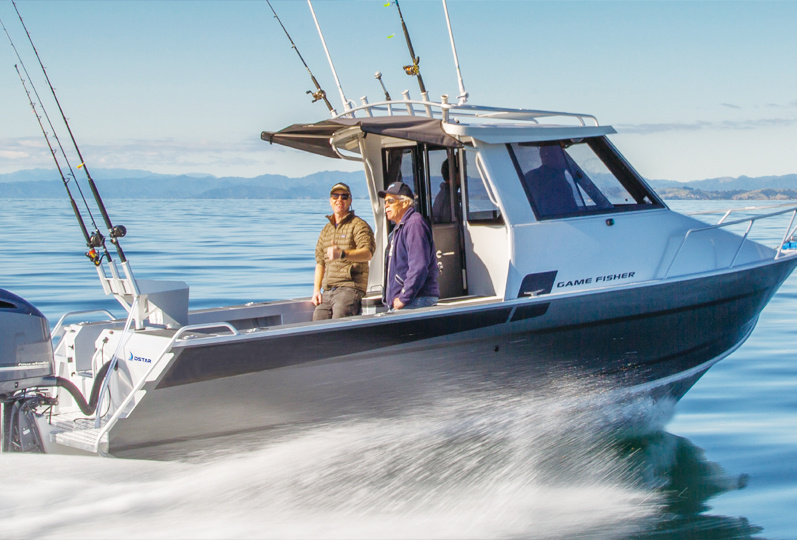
(121, 184)
(139, 184)
(728, 188)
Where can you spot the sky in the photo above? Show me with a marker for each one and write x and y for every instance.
(696, 89)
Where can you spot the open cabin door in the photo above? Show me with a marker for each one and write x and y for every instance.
(435, 183)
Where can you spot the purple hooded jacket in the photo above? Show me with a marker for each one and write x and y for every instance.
(411, 265)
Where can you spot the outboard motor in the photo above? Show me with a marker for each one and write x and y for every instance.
(26, 352)
(26, 361)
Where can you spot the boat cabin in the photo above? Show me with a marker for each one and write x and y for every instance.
(514, 209)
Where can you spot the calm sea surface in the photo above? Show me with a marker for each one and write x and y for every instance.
(721, 464)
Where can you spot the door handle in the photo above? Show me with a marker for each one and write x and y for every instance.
(440, 254)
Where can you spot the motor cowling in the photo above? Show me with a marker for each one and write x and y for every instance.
(26, 352)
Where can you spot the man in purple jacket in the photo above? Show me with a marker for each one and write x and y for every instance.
(411, 265)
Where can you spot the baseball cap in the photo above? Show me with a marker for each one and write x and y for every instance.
(340, 186)
(397, 188)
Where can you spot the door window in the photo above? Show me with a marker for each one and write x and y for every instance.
(480, 206)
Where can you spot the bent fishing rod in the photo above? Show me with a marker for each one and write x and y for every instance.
(319, 94)
(116, 232)
(413, 69)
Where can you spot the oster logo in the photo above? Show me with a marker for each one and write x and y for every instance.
(133, 358)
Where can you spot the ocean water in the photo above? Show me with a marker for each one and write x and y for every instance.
(721, 464)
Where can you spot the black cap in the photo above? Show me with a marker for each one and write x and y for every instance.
(397, 188)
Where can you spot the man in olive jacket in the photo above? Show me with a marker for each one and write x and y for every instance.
(344, 247)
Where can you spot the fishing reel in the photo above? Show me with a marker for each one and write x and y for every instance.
(96, 240)
(317, 95)
(118, 231)
(413, 69)
(95, 257)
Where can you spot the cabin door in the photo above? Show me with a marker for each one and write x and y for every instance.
(438, 198)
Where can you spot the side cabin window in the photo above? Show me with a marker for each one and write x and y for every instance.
(577, 177)
(481, 208)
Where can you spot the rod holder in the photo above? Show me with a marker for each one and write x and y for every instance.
(410, 110)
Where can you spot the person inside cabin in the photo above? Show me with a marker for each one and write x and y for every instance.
(411, 269)
(344, 247)
(441, 207)
(553, 193)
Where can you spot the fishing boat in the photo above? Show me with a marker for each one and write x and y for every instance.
(557, 261)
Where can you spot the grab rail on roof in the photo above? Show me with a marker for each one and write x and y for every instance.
(722, 223)
(447, 111)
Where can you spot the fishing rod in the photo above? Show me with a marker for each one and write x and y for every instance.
(412, 69)
(90, 239)
(116, 232)
(57, 165)
(319, 93)
(346, 106)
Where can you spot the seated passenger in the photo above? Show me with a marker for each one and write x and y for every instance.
(441, 207)
(550, 188)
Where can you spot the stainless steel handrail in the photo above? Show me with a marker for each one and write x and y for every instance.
(463, 111)
(722, 223)
(140, 384)
(58, 327)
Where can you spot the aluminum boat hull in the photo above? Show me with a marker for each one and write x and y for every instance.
(659, 337)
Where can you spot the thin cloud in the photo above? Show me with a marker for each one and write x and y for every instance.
(34, 153)
(244, 158)
(730, 105)
(645, 129)
(788, 105)
(12, 154)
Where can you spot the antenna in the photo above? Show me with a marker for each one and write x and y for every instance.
(463, 95)
(319, 93)
(331, 65)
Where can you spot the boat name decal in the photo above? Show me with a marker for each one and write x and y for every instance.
(139, 359)
(589, 280)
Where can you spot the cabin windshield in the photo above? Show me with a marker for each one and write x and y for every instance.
(567, 178)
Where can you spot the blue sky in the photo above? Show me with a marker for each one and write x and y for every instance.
(695, 89)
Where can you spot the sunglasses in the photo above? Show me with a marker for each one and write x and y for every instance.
(391, 201)
(336, 196)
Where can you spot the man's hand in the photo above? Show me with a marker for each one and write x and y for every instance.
(333, 252)
(316, 298)
(398, 304)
